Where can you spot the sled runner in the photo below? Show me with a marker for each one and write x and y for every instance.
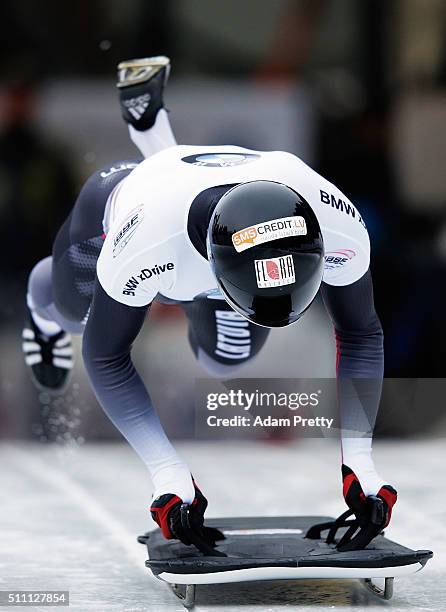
(279, 548)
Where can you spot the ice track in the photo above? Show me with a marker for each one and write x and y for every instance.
(69, 518)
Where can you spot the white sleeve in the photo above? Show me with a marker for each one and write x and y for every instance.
(346, 240)
(132, 267)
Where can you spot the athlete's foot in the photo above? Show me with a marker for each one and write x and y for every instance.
(141, 84)
(49, 358)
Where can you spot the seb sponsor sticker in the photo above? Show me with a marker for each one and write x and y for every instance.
(274, 272)
(267, 231)
(128, 228)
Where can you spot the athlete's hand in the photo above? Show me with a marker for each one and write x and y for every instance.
(185, 522)
(373, 513)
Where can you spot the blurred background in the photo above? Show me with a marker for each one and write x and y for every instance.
(356, 88)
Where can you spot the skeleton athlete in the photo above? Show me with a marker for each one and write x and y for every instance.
(243, 240)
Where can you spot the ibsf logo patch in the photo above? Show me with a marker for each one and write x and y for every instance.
(337, 259)
(274, 272)
(268, 230)
(128, 228)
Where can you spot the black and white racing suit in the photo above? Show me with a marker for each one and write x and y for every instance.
(137, 233)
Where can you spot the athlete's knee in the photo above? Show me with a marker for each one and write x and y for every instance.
(40, 284)
(40, 299)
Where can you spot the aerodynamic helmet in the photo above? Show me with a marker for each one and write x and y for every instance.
(266, 249)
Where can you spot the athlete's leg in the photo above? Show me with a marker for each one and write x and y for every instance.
(60, 287)
(221, 339)
(77, 246)
(141, 85)
(45, 342)
(40, 302)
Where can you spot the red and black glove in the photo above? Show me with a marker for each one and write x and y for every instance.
(357, 501)
(185, 522)
(372, 513)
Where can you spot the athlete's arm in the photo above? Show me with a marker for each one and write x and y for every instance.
(360, 369)
(360, 355)
(358, 329)
(110, 332)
